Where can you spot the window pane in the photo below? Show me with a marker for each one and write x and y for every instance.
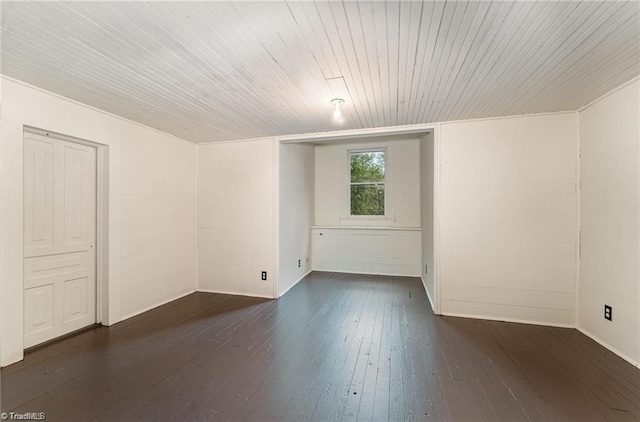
(367, 200)
(367, 166)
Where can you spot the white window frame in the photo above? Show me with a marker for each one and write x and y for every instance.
(369, 220)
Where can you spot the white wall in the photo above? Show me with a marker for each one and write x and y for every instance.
(151, 210)
(236, 217)
(508, 218)
(158, 205)
(296, 191)
(374, 250)
(427, 149)
(610, 217)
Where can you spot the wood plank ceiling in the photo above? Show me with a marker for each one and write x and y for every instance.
(209, 71)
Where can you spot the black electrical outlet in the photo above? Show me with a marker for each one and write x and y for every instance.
(425, 269)
(298, 263)
(608, 312)
(264, 275)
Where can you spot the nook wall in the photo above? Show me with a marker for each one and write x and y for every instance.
(389, 245)
(296, 188)
(427, 186)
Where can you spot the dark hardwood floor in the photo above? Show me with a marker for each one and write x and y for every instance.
(336, 347)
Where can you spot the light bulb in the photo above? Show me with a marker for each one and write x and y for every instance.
(337, 103)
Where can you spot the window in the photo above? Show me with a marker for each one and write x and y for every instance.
(367, 182)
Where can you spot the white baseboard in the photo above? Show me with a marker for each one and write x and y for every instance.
(297, 281)
(164, 302)
(517, 321)
(608, 347)
(223, 292)
(364, 273)
(424, 284)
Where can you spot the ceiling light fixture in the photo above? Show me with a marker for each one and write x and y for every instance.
(337, 104)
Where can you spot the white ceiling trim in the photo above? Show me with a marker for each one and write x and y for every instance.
(357, 133)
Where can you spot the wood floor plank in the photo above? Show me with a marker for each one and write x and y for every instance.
(499, 378)
(335, 347)
(432, 403)
(304, 402)
(333, 398)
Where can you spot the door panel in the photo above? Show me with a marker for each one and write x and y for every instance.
(38, 305)
(75, 303)
(79, 214)
(39, 194)
(50, 265)
(60, 231)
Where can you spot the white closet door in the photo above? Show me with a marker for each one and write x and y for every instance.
(59, 238)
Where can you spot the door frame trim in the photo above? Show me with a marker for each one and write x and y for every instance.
(102, 214)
